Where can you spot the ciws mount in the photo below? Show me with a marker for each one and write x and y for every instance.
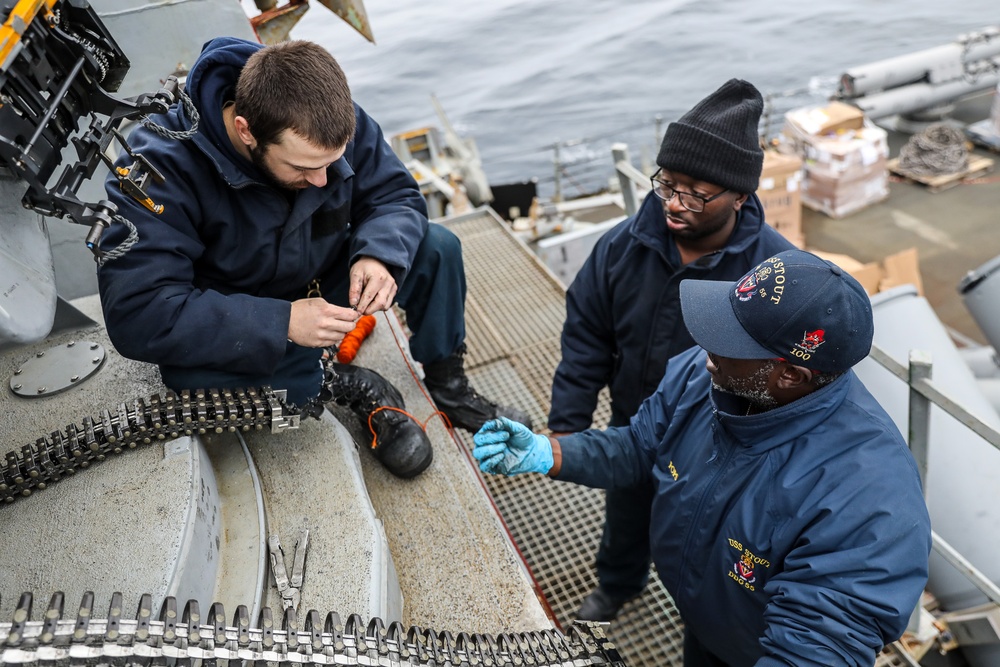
(58, 69)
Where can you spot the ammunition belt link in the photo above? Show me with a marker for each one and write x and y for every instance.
(162, 416)
(172, 638)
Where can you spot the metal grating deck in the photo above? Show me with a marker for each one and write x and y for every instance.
(515, 310)
(514, 314)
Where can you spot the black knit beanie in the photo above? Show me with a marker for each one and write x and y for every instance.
(716, 141)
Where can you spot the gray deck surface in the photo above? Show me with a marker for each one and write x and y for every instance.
(118, 525)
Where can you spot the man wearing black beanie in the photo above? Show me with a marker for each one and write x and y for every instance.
(702, 220)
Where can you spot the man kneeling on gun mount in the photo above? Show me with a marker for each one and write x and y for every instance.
(788, 521)
(286, 217)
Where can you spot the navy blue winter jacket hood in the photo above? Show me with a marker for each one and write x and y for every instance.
(211, 280)
(211, 83)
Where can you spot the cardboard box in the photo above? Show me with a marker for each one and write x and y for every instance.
(901, 268)
(832, 118)
(780, 194)
(838, 198)
(844, 170)
(846, 152)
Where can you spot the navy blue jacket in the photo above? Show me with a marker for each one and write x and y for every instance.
(798, 536)
(211, 280)
(623, 314)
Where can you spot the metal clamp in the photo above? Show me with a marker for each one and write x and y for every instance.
(281, 420)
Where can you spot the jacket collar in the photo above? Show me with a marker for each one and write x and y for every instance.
(766, 430)
(650, 229)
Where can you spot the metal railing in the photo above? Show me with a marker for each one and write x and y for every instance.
(628, 178)
(917, 374)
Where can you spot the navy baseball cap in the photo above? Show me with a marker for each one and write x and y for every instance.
(793, 306)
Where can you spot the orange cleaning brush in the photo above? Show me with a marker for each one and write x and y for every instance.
(352, 341)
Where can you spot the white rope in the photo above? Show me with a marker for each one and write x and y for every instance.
(938, 150)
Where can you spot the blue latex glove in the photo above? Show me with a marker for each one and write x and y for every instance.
(505, 447)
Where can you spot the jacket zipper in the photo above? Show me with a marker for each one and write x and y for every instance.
(723, 465)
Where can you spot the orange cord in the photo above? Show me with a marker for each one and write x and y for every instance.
(423, 425)
(406, 360)
(352, 341)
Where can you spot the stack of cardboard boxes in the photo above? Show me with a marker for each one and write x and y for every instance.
(844, 157)
(780, 193)
(832, 159)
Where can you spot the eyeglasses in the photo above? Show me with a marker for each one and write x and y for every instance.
(689, 200)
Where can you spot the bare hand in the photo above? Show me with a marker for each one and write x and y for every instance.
(317, 323)
(372, 286)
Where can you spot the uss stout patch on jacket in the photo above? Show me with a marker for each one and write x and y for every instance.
(747, 567)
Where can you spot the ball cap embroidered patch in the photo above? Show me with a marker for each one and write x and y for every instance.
(794, 306)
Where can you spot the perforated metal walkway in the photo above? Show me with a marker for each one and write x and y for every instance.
(515, 310)
(514, 314)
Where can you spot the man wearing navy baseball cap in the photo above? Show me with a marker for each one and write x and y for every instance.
(788, 523)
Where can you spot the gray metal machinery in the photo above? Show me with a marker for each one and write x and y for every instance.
(980, 291)
(926, 79)
(60, 68)
(960, 465)
(447, 167)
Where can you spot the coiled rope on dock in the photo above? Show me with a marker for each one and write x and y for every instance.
(939, 149)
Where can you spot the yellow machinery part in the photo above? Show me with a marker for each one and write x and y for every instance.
(24, 12)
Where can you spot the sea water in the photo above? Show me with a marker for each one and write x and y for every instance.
(522, 75)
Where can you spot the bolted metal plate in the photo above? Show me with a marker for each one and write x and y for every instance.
(57, 369)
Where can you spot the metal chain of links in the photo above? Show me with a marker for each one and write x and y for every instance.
(939, 149)
(179, 135)
(176, 638)
(159, 417)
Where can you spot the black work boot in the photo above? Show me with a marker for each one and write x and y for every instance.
(400, 443)
(465, 408)
(601, 605)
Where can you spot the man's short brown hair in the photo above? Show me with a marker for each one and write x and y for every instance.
(296, 86)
